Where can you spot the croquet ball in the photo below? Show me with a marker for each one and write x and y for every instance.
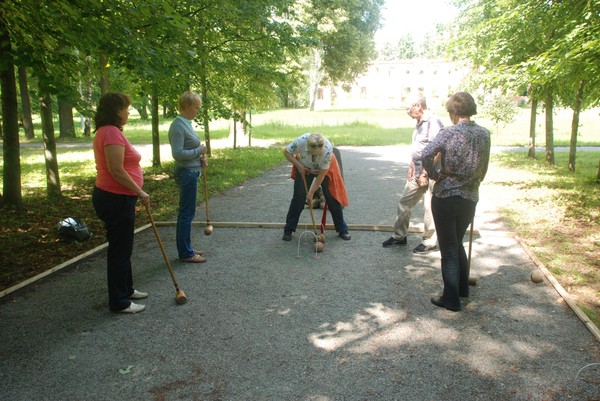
(472, 281)
(208, 230)
(537, 276)
(319, 246)
(321, 238)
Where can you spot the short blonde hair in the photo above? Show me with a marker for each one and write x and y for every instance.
(316, 139)
(189, 98)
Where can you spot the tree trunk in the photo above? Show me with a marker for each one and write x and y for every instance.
(155, 132)
(104, 81)
(143, 110)
(575, 127)
(25, 104)
(87, 127)
(86, 113)
(532, 123)
(549, 127)
(315, 77)
(286, 99)
(10, 133)
(52, 177)
(66, 126)
(314, 96)
(248, 126)
(233, 130)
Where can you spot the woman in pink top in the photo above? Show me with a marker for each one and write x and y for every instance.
(119, 182)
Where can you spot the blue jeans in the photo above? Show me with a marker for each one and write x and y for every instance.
(452, 216)
(299, 200)
(187, 180)
(118, 214)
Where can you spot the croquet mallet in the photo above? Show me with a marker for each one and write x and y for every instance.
(309, 205)
(180, 297)
(209, 229)
(472, 280)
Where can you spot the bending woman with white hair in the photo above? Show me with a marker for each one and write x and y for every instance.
(312, 155)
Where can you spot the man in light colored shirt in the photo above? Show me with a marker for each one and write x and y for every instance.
(418, 185)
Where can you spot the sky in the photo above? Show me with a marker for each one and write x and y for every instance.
(400, 17)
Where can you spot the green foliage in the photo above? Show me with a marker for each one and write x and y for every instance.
(405, 48)
(500, 109)
(537, 44)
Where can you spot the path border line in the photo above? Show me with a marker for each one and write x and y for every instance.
(61, 266)
(560, 289)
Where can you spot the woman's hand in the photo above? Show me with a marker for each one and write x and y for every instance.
(144, 198)
(437, 162)
(309, 197)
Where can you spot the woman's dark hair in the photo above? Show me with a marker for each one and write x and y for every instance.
(108, 107)
(461, 104)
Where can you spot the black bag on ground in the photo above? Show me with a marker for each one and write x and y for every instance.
(73, 230)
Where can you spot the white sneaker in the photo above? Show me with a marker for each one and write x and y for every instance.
(138, 295)
(133, 308)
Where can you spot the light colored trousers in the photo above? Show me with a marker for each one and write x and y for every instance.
(410, 197)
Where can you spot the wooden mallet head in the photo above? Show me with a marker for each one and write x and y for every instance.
(180, 297)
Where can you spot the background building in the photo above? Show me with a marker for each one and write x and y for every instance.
(388, 84)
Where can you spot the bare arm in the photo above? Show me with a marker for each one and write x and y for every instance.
(299, 166)
(115, 155)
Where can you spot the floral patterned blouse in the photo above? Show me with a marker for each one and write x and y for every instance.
(465, 154)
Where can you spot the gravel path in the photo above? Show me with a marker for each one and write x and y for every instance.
(266, 320)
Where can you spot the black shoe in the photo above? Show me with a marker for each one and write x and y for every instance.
(390, 242)
(422, 249)
(287, 236)
(345, 236)
(440, 302)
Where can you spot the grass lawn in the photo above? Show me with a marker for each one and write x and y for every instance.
(554, 211)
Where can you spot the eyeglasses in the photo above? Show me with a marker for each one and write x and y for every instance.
(411, 108)
(316, 145)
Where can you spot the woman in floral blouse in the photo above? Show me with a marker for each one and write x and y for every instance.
(457, 159)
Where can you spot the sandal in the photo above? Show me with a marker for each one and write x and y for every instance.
(195, 259)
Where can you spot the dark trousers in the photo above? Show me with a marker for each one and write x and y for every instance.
(118, 214)
(299, 200)
(452, 216)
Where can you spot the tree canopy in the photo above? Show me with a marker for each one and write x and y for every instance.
(240, 55)
(546, 49)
